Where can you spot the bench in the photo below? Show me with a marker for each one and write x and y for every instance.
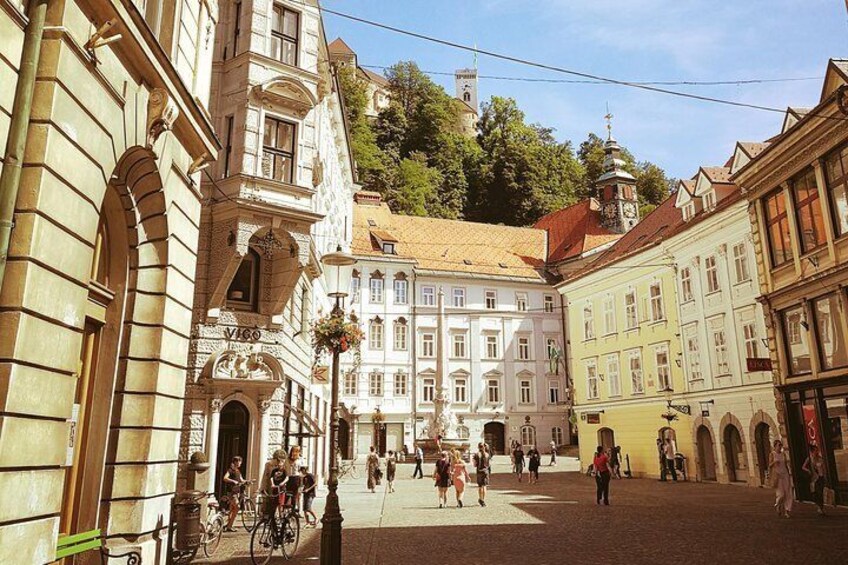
(72, 544)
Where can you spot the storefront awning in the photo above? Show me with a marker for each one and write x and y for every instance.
(309, 426)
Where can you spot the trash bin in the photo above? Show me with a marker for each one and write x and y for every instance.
(187, 517)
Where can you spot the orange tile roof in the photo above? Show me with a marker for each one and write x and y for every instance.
(375, 77)
(575, 230)
(339, 46)
(719, 175)
(452, 246)
(751, 148)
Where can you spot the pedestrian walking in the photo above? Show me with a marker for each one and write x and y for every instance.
(233, 481)
(307, 489)
(779, 479)
(600, 467)
(814, 467)
(482, 463)
(518, 461)
(460, 476)
(419, 460)
(661, 454)
(553, 454)
(372, 469)
(442, 477)
(534, 460)
(668, 457)
(615, 461)
(391, 467)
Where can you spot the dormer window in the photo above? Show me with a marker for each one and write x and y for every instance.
(388, 248)
(688, 211)
(285, 26)
(245, 285)
(709, 200)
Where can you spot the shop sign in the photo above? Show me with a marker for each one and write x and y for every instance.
(811, 426)
(756, 364)
(593, 418)
(243, 334)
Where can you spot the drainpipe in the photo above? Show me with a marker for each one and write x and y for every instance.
(413, 338)
(565, 362)
(10, 178)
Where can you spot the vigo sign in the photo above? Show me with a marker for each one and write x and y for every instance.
(243, 334)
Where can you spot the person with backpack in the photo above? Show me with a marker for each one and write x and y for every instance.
(391, 468)
(534, 461)
(482, 463)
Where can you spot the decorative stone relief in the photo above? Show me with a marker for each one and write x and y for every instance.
(237, 365)
(162, 112)
(216, 404)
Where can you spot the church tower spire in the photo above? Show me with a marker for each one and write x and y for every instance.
(616, 188)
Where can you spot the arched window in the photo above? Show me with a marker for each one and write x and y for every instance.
(462, 432)
(528, 435)
(466, 96)
(556, 435)
(244, 290)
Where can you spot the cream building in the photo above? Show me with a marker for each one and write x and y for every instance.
(502, 326)
(277, 199)
(98, 285)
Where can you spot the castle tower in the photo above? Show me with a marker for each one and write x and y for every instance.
(466, 86)
(616, 189)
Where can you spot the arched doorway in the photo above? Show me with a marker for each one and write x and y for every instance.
(344, 439)
(232, 439)
(762, 443)
(606, 438)
(493, 435)
(706, 454)
(734, 457)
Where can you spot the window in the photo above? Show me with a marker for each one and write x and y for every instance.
(524, 348)
(686, 284)
(458, 295)
(401, 288)
(493, 391)
(350, 383)
(553, 392)
(688, 211)
(305, 310)
(491, 299)
(528, 435)
(836, 180)
(663, 369)
(428, 345)
(556, 435)
(355, 284)
(592, 388)
(721, 366)
(401, 335)
(832, 341)
(278, 150)
(375, 334)
(709, 200)
(429, 390)
(236, 27)
(492, 347)
(458, 346)
(375, 384)
(375, 284)
(525, 391)
(521, 301)
(630, 311)
(588, 322)
(712, 274)
(752, 342)
(613, 376)
(636, 383)
(284, 35)
(460, 390)
(808, 210)
(401, 384)
(428, 295)
(462, 432)
(657, 312)
(740, 262)
(244, 289)
(694, 358)
(777, 227)
(228, 143)
(609, 315)
(388, 248)
(549, 302)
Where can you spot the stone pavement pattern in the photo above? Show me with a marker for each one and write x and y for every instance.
(557, 521)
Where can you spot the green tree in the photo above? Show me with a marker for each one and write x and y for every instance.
(416, 188)
(652, 185)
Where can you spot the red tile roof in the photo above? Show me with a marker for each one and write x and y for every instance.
(575, 230)
(339, 46)
(719, 175)
(751, 148)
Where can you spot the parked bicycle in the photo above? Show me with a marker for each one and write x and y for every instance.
(247, 506)
(279, 529)
(213, 529)
(348, 469)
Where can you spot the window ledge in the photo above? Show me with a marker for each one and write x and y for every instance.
(633, 329)
(658, 322)
(586, 339)
(713, 293)
(638, 393)
(743, 282)
(610, 334)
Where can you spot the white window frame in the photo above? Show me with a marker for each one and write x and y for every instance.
(493, 349)
(523, 349)
(401, 381)
(663, 366)
(613, 375)
(428, 295)
(693, 357)
(376, 287)
(636, 370)
(657, 307)
(593, 388)
(609, 315)
(375, 384)
(549, 303)
(458, 297)
(740, 263)
(631, 310)
(460, 390)
(401, 337)
(493, 390)
(686, 284)
(752, 342)
(521, 301)
(711, 274)
(525, 391)
(709, 200)
(401, 290)
(428, 345)
(490, 299)
(428, 390)
(351, 383)
(720, 354)
(459, 345)
(557, 435)
(588, 321)
(553, 392)
(355, 286)
(376, 335)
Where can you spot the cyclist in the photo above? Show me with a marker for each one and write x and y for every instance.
(273, 478)
(233, 480)
(292, 466)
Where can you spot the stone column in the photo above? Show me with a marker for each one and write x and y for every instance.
(264, 430)
(214, 428)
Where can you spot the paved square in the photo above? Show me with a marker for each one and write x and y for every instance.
(557, 521)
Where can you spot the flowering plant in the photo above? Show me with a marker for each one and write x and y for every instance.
(337, 332)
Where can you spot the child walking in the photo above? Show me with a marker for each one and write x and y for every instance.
(307, 481)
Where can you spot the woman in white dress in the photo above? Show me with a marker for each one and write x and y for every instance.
(780, 479)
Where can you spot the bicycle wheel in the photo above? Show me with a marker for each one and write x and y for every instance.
(248, 514)
(291, 535)
(262, 543)
(214, 532)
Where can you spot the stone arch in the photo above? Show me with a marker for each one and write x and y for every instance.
(285, 91)
(757, 458)
(734, 474)
(697, 424)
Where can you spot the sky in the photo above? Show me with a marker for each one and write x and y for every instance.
(634, 40)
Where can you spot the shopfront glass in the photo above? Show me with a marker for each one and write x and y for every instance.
(836, 435)
(833, 345)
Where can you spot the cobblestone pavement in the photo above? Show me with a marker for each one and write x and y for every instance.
(557, 521)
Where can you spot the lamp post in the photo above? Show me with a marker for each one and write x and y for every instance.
(338, 270)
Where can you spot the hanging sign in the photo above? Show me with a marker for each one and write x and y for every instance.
(811, 425)
(756, 364)
(593, 418)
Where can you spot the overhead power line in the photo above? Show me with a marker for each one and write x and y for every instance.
(739, 82)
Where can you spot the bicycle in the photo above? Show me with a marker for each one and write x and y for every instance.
(348, 469)
(247, 506)
(213, 529)
(280, 528)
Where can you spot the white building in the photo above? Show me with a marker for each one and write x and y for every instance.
(722, 327)
(503, 325)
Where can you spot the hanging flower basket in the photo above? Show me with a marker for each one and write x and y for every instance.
(337, 332)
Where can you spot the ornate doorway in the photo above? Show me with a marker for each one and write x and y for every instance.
(232, 440)
(706, 454)
(493, 435)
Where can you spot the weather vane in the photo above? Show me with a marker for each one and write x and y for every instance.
(608, 118)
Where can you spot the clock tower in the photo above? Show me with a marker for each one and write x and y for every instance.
(466, 86)
(616, 189)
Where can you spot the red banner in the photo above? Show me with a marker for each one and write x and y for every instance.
(756, 364)
(811, 425)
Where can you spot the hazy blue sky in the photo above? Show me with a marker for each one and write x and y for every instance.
(624, 39)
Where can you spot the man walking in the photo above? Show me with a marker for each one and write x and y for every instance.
(669, 451)
(481, 464)
(419, 459)
(661, 455)
(553, 453)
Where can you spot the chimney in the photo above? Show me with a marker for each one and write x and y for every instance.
(367, 198)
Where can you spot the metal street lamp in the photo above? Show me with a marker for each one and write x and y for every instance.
(338, 271)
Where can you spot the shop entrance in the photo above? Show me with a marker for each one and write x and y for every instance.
(762, 443)
(493, 435)
(606, 438)
(344, 439)
(734, 456)
(232, 440)
(706, 454)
